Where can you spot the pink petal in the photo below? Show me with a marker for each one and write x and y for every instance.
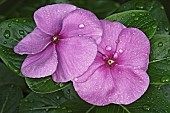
(42, 64)
(33, 43)
(119, 85)
(133, 49)
(75, 55)
(110, 36)
(49, 18)
(82, 23)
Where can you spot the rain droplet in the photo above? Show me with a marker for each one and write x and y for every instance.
(162, 7)
(166, 29)
(108, 48)
(68, 91)
(61, 84)
(139, 5)
(165, 79)
(133, 14)
(21, 32)
(120, 51)
(137, 18)
(69, 111)
(146, 107)
(57, 97)
(16, 20)
(81, 26)
(5, 42)
(160, 44)
(7, 34)
(9, 25)
(154, 26)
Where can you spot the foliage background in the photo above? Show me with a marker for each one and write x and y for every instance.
(17, 97)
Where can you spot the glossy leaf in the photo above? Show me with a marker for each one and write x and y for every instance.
(154, 7)
(102, 8)
(44, 85)
(136, 18)
(11, 32)
(9, 77)
(63, 101)
(10, 97)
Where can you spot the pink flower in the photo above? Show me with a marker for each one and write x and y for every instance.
(118, 74)
(62, 45)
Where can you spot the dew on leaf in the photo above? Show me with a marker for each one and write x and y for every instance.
(69, 111)
(146, 107)
(165, 79)
(154, 26)
(21, 32)
(136, 18)
(133, 14)
(5, 42)
(9, 25)
(162, 7)
(166, 29)
(7, 34)
(160, 44)
(63, 107)
(61, 84)
(139, 5)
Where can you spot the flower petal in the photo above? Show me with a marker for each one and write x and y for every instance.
(49, 18)
(110, 36)
(42, 64)
(133, 49)
(82, 23)
(75, 55)
(33, 43)
(120, 85)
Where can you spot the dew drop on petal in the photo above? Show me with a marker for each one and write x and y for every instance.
(120, 51)
(108, 48)
(81, 26)
(115, 55)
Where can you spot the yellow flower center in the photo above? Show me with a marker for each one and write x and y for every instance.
(110, 61)
(55, 39)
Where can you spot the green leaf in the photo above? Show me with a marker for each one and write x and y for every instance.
(10, 97)
(45, 85)
(157, 97)
(153, 6)
(136, 18)
(11, 32)
(9, 77)
(102, 8)
(156, 100)
(63, 101)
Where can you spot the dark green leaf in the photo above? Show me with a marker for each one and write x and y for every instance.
(63, 101)
(45, 85)
(153, 6)
(10, 97)
(11, 32)
(9, 77)
(136, 18)
(102, 8)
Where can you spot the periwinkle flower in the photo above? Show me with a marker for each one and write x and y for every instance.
(64, 43)
(118, 73)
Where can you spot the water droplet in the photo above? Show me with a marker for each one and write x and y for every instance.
(137, 18)
(108, 48)
(63, 107)
(21, 32)
(146, 107)
(162, 7)
(16, 20)
(5, 42)
(76, 79)
(120, 51)
(9, 25)
(81, 26)
(165, 79)
(166, 29)
(139, 5)
(7, 34)
(61, 84)
(57, 97)
(133, 14)
(154, 26)
(115, 55)
(24, 20)
(68, 91)
(46, 109)
(69, 111)
(160, 44)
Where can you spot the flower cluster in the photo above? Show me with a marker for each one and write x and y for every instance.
(106, 61)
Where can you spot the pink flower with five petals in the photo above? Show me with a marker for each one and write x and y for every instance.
(64, 43)
(118, 73)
